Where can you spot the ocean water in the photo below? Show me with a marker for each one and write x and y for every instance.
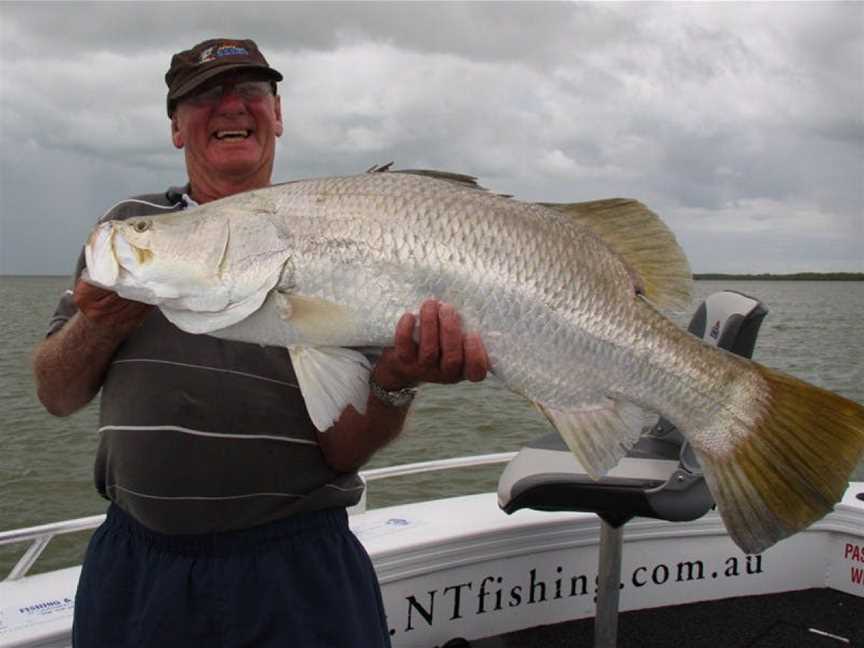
(814, 330)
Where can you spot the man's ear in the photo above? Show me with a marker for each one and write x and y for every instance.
(176, 135)
(278, 107)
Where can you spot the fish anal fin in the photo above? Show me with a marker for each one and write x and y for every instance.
(788, 466)
(598, 434)
(644, 243)
(330, 379)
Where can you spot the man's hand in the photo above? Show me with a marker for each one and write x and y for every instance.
(70, 365)
(106, 309)
(444, 353)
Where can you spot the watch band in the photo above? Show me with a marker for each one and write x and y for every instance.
(396, 398)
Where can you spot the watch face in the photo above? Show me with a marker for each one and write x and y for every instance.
(401, 398)
(396, 398)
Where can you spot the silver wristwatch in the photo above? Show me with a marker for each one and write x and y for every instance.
(396, 398)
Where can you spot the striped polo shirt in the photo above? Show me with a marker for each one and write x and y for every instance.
(201, 435)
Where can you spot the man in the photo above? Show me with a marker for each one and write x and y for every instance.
(227, 521)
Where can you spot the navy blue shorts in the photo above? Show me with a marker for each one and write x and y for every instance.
(303, 581)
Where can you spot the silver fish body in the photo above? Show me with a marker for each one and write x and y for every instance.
(376, 255)
(558, 294)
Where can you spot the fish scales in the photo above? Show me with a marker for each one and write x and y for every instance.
(547, 305)
(462, 250)
(553, 290)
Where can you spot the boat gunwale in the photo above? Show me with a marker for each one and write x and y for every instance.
(41, 535)
(845, 518)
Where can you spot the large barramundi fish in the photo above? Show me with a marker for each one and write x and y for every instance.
(565, 298)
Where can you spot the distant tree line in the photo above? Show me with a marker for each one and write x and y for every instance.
(797, 276)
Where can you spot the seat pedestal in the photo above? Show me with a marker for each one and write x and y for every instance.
(608, 585)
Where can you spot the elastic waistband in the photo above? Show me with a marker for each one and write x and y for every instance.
(297, 525)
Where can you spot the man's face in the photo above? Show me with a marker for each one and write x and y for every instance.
(229, 135)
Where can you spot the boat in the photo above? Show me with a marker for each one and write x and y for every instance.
(461, 568)
(642, 560)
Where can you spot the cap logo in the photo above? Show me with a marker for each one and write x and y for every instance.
(218, 51)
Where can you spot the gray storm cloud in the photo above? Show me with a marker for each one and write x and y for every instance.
(740, 123)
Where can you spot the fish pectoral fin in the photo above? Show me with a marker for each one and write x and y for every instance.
(330, 379)
(599, 434)
(313, 317)
(283, 305)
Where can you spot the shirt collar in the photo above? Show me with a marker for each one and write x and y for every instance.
(187, 201)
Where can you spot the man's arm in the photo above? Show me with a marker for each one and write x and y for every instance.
(70, 365)
(444, 354)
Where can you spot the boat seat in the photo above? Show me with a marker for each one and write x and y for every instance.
(659, 477)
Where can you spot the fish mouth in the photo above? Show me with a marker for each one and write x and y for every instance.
(112, 261)
(102, 265)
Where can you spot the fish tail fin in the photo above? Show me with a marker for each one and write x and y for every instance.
(788, 463)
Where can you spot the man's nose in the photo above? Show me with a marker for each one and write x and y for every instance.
(231, 102)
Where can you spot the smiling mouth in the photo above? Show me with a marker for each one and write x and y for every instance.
(232, 135)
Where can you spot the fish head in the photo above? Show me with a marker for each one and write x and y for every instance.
(205, 268)
(162, 260)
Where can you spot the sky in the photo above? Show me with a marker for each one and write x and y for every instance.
(741, 124)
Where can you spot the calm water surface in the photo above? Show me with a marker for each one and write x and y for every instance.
(813, 330)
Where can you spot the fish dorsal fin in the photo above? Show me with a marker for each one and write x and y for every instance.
(463, 180)
(645, 244)
(598, 434)
(330, 379)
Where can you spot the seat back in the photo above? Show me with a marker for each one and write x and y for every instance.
(729, 320)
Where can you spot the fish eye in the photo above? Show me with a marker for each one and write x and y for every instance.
(141, 226)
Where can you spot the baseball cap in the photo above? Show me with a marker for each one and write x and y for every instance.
(190, 68)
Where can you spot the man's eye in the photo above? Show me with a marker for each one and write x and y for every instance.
(141, 226)
(252, 89)
(209, 95)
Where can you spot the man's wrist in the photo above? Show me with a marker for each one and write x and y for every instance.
(399, 397)
(387, 375)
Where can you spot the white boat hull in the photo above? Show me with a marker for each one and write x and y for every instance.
(460, 567)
